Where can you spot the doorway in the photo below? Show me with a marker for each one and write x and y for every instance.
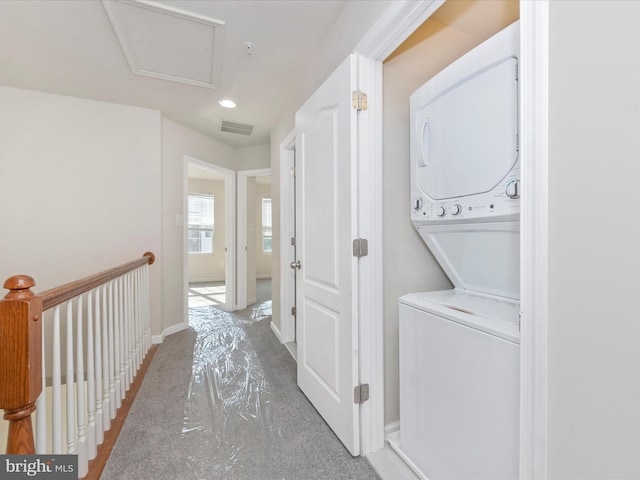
(255, 237)
(209, 234)
(287, 328)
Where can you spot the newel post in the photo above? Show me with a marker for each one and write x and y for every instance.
(20, 360)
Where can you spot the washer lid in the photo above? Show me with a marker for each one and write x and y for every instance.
(481, 312)
(466, 138)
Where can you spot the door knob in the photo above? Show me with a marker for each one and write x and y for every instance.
(295, 264)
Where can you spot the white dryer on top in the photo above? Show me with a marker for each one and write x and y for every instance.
(465, 166)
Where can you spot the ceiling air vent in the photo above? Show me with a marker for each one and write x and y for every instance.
(238, 128)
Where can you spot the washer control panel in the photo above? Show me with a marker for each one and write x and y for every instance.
(501, 203)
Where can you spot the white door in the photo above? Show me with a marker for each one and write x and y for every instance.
(327, 280)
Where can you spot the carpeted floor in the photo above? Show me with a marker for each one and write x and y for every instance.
(220, 401)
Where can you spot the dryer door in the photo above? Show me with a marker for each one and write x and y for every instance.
(465, 140)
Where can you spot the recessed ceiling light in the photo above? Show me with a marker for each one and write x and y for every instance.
(227, 103)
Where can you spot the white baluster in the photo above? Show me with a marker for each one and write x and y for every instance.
(91, 383)
(117, 341)
(147, 309)
(107, 349)
(123, 353)
(41, 406)
(81, 444)
(127, 331)
(71, 414)
(139, 347)
(115, 350)
(56, 381)
(99, 430)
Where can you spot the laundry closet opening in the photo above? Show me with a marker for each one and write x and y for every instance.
(453, 30)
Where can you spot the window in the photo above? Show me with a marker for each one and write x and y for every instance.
(200, 224)
(266, 225)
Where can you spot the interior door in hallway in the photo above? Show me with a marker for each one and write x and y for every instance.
(326, 128)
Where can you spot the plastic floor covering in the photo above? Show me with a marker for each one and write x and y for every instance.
(220, 401)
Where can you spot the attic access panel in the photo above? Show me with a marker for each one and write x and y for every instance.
(163, 42)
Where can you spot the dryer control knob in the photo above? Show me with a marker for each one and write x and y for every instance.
(513, 189)
(455, 209)
(417, 204)
(441, 212)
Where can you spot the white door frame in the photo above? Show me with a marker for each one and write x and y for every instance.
(243, 176)
(400, 20)
(230, 231)
(534, 151)
(287, 287)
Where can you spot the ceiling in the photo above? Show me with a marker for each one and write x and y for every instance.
(70, 47)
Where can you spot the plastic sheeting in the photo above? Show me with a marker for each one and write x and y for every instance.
(229, 399)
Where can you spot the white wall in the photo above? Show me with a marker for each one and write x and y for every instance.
(594, 259)
(252, 158)
(178, 141)
(79, 188)
(207, 267)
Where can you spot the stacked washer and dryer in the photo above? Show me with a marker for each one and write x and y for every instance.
(459, 349)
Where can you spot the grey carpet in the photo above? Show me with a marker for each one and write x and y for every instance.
(220, 401)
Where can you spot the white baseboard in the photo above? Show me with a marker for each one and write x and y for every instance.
(155, 339)
(251, 301)
(390, 428)
(293, 349)
(387, 463)
(394, 442)
(276, 331)
(206, 279)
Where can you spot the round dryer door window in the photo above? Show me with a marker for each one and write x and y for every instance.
(467, 137)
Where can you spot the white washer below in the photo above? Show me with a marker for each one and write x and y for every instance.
(459, 384)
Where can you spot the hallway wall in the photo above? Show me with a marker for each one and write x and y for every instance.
(593, 327)
(178, 141)
(80, 188)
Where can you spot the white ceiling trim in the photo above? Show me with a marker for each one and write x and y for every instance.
(186, 68)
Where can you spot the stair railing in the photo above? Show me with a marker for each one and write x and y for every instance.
(104, 320)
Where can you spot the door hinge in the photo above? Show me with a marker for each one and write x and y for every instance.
(359, 100)
(361, 393)
(293, 241)
(520, 322)
(294, 311)
(360, 247)
(293, 171)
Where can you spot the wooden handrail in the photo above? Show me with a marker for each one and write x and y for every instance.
(58, 295)
(21, 345)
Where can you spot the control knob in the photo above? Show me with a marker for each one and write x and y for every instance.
(455, 209)
(441, 211)
(417, 204)
(513, 189)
